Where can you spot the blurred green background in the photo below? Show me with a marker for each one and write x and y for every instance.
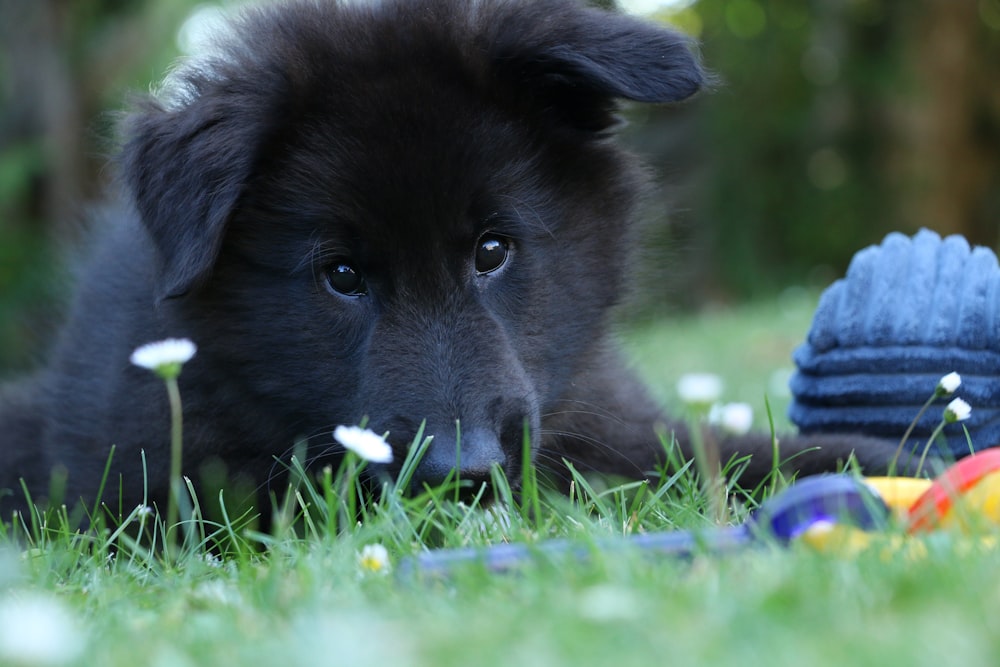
(832, 123)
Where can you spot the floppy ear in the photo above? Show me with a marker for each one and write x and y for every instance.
(186, 168)
(581, 59)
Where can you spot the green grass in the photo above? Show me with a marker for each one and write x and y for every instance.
(305, 601)
(748, 346)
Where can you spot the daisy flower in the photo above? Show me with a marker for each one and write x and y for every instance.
(733, 418)
(948, 384)
(365, 443)
(956, 411)
(164, 357)
(699, 388)
(38, 630)
(374, 559)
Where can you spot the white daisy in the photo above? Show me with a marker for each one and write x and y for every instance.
(365, 443)
(38, 630)
(948, 384)
(374, 559)
(164, 357)
(956, 411)
(733, 418)
(699, 388)
(609, 602)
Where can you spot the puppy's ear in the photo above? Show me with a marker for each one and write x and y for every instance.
(186, 166)
(581, 59)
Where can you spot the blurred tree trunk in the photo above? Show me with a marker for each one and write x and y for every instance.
(61, 63)
(949, 144)
(43, 104)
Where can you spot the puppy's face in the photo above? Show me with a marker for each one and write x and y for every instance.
(426, 257)
(399, 234)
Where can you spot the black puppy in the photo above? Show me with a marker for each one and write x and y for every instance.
(398, 210)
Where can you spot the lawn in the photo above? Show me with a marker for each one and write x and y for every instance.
(101, 599)
(748, 346)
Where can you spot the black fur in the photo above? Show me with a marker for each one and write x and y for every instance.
(387, 137)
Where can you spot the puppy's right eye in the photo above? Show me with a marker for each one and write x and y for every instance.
(491, 253)
(343, 278)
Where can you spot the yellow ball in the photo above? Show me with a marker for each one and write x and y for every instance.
(899, 493)
(977, 507)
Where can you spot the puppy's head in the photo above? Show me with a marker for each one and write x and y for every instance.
(402, 210)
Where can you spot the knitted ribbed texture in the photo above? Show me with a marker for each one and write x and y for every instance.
(908, 312)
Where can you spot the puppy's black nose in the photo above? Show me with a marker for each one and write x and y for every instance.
(473, 455)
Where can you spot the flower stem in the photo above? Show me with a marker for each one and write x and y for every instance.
(923, 455)
(176, 452)
(706, 459)
(894, 464)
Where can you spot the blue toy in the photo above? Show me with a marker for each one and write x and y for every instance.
(824, 499)
(845, 508)
(908, 312)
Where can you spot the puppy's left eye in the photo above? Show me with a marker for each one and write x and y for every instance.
(491, 253)
(343, 278)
